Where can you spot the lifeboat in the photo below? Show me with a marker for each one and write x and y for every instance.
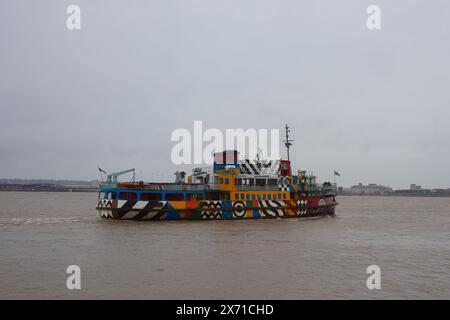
(139, 184)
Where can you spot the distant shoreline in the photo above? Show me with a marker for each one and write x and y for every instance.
(52, 185)
(85, 190)
(48, 185)
(55, 190)
(396, 195)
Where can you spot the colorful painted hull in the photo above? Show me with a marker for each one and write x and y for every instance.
(216, 209)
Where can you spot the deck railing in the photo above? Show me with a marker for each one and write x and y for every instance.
(259, 188)
(183, 187)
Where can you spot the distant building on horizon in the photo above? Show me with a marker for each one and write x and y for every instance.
(371, 188)
(374, 190)
(414, 190)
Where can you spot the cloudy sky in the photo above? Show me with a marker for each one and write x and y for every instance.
(373, 105)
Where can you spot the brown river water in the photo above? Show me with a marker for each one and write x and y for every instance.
(42, 234)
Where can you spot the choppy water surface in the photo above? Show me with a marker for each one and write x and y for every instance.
(42, 233)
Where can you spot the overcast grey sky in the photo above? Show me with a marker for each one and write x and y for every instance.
(373, 105)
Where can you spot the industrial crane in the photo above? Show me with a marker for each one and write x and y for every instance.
(112, 177)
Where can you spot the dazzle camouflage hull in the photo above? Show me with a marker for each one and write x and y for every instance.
(216, 209)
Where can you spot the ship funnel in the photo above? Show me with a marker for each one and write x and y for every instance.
(227, 158)
(180, 177)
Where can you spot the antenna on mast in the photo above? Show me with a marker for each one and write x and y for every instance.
(288, 141)
(258, 155)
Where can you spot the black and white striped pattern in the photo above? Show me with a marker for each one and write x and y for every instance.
(259, 168)
(140, 210)
(301, 207)
(212, 210)
(271, 208)
(105, 206)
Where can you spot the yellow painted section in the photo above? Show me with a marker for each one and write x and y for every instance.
(178, 204)
(223, 179)
(247, 195)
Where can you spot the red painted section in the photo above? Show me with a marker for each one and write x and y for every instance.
(285, 168)
(226, 157)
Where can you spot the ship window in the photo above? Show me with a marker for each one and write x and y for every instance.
(236, 196)
(248, 197)
(109, 195)
(174, 196)
(224, 196)
(194, 197)
(221, 180)
(284, 195)
(269, 197)
(212, 195)
(264, 196)
(259, 197)
(227, 181)
(272, 182)
(279, 196)
(151, 196)
(260, 182)
(242, 196)
(127, 196)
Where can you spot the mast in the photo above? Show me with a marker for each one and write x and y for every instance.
(288, 141)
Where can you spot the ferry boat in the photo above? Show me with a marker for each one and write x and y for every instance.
(230, 189)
